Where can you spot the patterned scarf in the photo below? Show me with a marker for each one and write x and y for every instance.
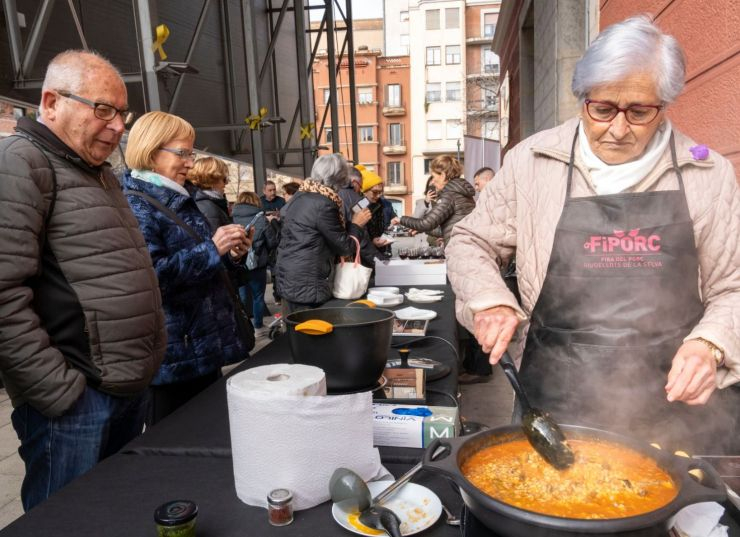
(309, 185)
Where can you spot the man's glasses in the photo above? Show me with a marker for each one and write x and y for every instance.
(102, 111)
(637, 114)
(376, 192)
(184, 154)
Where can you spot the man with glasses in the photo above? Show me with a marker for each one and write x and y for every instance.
(83, 326)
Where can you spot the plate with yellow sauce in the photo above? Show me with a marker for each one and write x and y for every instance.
(417, 508)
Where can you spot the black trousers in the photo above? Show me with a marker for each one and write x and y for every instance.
(166, 398)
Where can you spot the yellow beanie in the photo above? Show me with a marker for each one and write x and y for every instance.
(369, 178)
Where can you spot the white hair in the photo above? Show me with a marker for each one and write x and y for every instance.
(72, 69)
(330, 170)
(632, 46)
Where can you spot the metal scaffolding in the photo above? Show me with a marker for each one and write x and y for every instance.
(247, 54)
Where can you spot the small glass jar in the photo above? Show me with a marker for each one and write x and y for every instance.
(280, 507)
(176, 519)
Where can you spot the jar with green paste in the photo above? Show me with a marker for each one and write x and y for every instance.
(176, 519)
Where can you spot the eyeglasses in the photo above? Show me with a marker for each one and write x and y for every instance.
(184, 154)
(102, 111)
(376, 192)
(636, 114)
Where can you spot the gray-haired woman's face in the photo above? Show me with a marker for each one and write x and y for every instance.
(618, 141)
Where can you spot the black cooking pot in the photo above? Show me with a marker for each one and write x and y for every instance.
(352, 354)
(510, 521)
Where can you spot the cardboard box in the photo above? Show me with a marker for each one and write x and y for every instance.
(410, 272)
(398, 425)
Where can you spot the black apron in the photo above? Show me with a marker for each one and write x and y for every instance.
(620, 294)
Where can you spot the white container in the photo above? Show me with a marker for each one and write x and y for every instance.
(410, 272)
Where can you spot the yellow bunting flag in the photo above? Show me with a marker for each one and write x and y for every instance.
(306, 130)
(255, 122)
(162, 34)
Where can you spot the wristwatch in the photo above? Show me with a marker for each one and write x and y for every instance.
(717, 353)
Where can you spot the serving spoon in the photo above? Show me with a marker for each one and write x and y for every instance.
(543, 433)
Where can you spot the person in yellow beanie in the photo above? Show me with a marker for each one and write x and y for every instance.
(369, 178)
(372, 188)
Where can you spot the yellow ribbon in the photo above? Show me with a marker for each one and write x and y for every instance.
(162, 34)
(255, 122)
(306, 130)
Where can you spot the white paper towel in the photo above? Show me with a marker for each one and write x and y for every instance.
(283, 439)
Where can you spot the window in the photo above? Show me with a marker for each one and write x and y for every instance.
(365, 95)
(452, 54)
(329, 138)
(454, 93)
(427, 163)
(489, 97)
(452, 18)
(366, 134)
(393, 173)
(454, 130)
(434, 56)
(434, 92)
(404, 42)
(394, 134)
(404, 16)
(393, 95)
(490, 129)
(490, 61)
(18, 112)
(489, 24)
(327, 96)
(432, 19)
(434, 130)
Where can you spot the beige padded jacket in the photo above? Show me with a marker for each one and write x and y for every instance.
(519, 211)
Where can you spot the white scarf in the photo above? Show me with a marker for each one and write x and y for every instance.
(154, 178)
(615, 178)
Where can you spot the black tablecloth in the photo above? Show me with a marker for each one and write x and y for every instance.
(202, 427)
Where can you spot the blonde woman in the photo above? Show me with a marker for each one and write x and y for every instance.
(189, 260)
(211, 175)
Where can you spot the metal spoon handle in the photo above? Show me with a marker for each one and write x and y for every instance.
(398, 483)
(510, 371)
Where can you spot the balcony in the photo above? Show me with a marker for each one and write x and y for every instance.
(394, 147)
(393, 109)
(395, 189)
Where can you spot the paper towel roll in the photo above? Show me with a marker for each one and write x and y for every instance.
(281, 438)
(282, 379)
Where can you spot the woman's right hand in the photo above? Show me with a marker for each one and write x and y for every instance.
(231, 237)
(494, 329)
(361, 218)
(430, 196)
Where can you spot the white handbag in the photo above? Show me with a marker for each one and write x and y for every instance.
(351, 279)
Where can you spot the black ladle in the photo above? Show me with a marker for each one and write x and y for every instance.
(540, 429)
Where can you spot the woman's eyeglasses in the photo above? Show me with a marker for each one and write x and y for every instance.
(102, 111)
(184, 154)
(636, 114)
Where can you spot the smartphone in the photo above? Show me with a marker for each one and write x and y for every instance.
(360, 205)
(251, 222)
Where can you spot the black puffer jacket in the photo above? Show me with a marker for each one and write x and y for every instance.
(312, 236)
(454, 202)
(216, 210)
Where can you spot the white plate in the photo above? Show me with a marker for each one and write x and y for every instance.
(423, 299)
(417, 507)
(413, 314)
(427, 292)
(392, 290)
(388, 300)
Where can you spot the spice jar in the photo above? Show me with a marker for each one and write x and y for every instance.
(280, 507)
(176, 519)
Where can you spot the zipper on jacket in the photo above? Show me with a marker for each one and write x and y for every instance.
(101, 178)
(187, 341)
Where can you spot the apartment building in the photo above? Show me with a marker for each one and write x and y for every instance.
(482, 70)
(381, 86)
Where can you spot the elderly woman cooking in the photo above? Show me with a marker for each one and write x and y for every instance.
(626, 240)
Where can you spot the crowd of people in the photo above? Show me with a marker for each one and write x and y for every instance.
(123, 300)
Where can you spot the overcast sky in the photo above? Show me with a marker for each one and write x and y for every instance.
(361, 9)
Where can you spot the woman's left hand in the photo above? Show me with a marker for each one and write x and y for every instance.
(692, 377)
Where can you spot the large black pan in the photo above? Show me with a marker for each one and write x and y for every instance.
(510, 521)
(353, 354)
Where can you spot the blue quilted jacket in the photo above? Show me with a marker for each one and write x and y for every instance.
(201, 332)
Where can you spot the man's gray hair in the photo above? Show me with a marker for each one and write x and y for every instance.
(632, 46)
(72, 69)
(354, 174)
(330, 170)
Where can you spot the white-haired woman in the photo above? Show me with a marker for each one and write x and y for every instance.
(626, 235)
(313, 234)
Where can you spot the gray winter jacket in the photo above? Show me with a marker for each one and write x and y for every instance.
(79, 301)
(454, 202)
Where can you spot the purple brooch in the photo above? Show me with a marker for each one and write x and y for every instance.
(699, 152)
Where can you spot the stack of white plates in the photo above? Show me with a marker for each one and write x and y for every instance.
(385, 296)
(424, 295)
